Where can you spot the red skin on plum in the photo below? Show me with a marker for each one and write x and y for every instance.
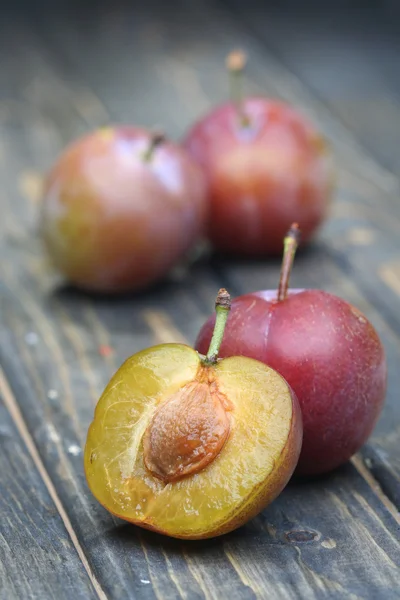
(262, 175)
(328, 352)
(114, 221)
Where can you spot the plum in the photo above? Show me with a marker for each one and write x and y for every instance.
(266, 166)
(326, 349)
(121, 206)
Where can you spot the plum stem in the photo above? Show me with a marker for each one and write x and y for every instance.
(222, 308)
(290, 245)
(156, 138)
(236, 62)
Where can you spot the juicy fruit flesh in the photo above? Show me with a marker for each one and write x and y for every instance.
(213, 499)
(330, 355)
(188, 430)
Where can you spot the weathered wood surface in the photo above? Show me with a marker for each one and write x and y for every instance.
(65, 72)
(37, 556)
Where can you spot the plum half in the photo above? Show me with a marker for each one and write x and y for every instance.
(192, 446)
(121, 206)
(326, 349)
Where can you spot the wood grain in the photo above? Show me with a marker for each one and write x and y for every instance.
(331, 538)
(37, 556)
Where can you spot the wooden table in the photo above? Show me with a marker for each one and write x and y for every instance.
(67, 69)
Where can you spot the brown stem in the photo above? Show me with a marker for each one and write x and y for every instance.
(156, 139)
(223, 299)
(235, 63)
(290, 245)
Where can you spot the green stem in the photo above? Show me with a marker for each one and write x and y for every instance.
(222, 308)
(290, 245)
(156, 139)
(236, 62)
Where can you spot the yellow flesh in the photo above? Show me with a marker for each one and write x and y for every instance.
(203, 502)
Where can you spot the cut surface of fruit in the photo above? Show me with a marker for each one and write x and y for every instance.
(138, 461)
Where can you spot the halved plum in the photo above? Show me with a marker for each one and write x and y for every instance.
(192, 446)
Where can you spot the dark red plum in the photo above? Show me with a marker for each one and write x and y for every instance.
(328, 352)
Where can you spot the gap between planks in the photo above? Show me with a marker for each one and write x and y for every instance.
(363, 470)
(16, 415)
(165, 331)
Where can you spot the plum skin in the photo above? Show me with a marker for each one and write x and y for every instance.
(331, 356)
(112, 221)
(262, 176)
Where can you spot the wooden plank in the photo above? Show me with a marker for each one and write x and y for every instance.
(374, 267)
(318, 539)
(37, 556)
